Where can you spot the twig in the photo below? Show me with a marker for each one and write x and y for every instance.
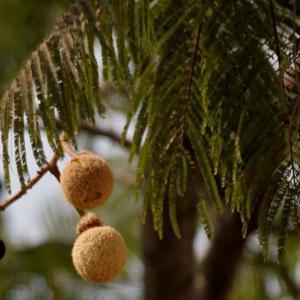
(68, 149)
(51, 167)
(94, 130)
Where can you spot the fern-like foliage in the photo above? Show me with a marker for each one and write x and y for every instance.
(204, 81)
(212, 94)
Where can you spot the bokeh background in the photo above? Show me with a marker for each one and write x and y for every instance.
(39, 229)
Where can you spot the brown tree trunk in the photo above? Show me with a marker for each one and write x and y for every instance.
(221, 263)
(169, 263)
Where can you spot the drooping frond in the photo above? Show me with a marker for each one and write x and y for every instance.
(212, 92)
(59, 84)
(204, 82)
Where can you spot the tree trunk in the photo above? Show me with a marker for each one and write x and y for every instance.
(222, 260)
(169, 263)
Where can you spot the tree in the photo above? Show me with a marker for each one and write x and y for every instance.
(212, 90)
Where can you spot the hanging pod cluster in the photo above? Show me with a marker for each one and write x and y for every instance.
(99, 252)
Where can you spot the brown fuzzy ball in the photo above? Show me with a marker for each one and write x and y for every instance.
(99, 254)
(88, 221)
(87, 181)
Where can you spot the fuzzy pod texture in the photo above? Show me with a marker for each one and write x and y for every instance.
(99, 254)
(89, 220)
(87, 181)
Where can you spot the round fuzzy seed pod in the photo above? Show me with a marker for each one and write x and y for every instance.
(87, 181)
(99, 254)
(88, 221)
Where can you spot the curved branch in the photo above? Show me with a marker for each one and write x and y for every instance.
(108, 133)
(94, 130)
(50, 167)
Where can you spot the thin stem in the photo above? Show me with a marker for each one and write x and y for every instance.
(68, 149)
(190, 83)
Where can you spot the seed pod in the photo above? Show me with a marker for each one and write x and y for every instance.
(99, 254)
(88, 221)
(2, 249)
(87, 181)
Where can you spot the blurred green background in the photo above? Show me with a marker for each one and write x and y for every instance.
(23, 24)
(39, 230)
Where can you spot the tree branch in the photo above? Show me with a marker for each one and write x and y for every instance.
(50, 167)
(94, 130)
